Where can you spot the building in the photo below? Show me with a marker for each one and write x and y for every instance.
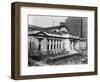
(53, 42)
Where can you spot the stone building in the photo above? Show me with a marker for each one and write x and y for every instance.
(53, 40)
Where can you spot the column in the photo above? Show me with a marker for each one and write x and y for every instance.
(56, 44)
(63, 44)
(59, 45)
(72, 45)
(78, 44)
(52, 44)
(56, 47)
(44, 44)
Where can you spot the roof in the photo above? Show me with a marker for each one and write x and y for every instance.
(45, 34)
(48, 29)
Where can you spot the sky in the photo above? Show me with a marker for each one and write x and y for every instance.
(45, 21)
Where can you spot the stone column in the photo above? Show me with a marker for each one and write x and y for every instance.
(72, 45)
(61, 44)
(44, 44)
(47, 44)
(52, 44)
(78, 44)
(55, 44)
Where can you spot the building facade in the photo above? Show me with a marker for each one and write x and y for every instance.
(53, 41)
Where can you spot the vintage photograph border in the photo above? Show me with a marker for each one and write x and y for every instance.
(15, 39)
